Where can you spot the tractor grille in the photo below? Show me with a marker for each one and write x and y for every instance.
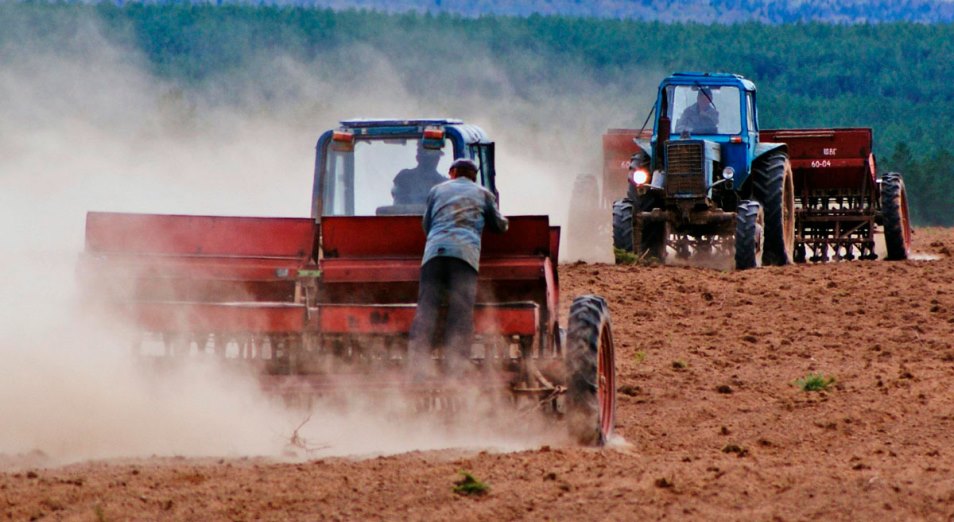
(684, 170)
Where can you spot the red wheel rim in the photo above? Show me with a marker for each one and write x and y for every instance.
(606, 390)
(905, 224)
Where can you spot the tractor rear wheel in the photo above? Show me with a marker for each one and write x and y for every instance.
(591, 371)
(748, 234)
(623, 224)
(894, 215)
(774, 188)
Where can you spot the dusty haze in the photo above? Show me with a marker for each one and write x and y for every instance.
(87, 127)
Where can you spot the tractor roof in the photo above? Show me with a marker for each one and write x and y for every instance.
(356, 123)
(708, 78)
(709, 74)
(391, 126)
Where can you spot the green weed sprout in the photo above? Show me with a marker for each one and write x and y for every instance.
(470, 486)
(814, 382)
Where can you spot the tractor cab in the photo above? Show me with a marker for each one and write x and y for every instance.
(690, 190)
(712, 114)
(386, 167)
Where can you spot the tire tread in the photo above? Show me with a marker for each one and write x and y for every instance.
(589, 317)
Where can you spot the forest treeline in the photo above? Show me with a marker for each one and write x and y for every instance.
(894, 77)
(704, 11)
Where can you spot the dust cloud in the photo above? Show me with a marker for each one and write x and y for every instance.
(87, 127)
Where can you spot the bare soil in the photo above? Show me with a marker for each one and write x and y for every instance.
(714, 422)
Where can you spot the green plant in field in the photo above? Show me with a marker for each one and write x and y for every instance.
(639, 356)
(469, 485)
(814, 382)
(624, 258)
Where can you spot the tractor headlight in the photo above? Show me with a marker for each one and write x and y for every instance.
(728, 173)
(640, 176)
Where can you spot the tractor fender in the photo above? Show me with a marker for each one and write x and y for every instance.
(762, 148)
(646, 147)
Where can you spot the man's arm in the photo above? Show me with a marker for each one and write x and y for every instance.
(492, 216)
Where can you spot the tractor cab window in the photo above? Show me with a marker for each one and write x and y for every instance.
(480, 153)
(704, 109)
(382, 176)
(750, 111)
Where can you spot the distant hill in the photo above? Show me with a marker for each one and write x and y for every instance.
(702, 11)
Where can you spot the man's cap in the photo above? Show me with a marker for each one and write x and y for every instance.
(465, 164)
(706, 91)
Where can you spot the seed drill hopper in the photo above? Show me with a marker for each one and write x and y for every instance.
(323, 302)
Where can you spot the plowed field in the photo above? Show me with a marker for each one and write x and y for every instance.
(714, 425)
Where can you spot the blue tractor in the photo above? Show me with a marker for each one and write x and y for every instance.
(703, 186)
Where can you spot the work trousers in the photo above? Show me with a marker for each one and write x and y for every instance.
(450, 282)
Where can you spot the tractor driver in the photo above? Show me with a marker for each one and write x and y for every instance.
(457, 211)
(700, 117)
(412, 185)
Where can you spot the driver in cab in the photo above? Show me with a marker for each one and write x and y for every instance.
(700, 117)
(412, 185)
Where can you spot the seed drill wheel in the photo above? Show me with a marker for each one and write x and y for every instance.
(748, 234)
(591, 372)
(894, 214)
(773, 187)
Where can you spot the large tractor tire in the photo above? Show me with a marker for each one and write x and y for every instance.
(748, 234)
(774, 189)
(623, 224)
(651, 237)
(894, 216)
(591, 372)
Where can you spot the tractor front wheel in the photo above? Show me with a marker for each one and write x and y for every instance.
(623, 224)
(591, 372)
(774, 188)
(748, 234)
(629, 231)
(894, 215)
